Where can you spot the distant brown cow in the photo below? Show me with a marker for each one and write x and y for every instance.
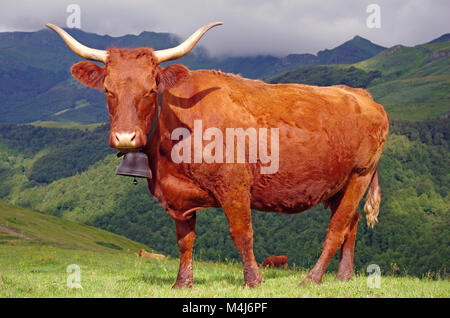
(142, 253)
(325, 144)
(275, 261)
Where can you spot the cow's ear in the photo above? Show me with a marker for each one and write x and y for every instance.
(89, 74)
(170, 76)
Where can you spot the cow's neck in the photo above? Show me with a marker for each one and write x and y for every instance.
(152, 145)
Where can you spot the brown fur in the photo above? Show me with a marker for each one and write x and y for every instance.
(144, 254)
(331, 139)
(275, 261)
(89, 74)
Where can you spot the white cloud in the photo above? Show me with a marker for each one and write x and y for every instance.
(250, 26)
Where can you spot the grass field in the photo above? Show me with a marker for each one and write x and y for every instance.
(36, 250)
(41, 271)
(68, 125)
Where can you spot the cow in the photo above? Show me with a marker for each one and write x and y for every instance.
(275, 261)
(330, 140)
(144, 254)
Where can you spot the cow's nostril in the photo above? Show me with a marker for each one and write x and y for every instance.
(134, 136)
(117, 138)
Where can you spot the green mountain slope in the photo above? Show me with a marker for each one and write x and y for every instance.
(322, 75)
(412, 83)
(19, 226)
(415, 81)
(352, 51)
(400, 62)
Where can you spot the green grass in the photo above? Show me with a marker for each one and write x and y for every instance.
(41, 271)
(35, 264)
(68, 125)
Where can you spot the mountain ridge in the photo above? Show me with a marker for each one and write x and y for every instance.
(35, 82)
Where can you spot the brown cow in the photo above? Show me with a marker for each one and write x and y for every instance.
(328, 141)
(144, 254)
(275, 261)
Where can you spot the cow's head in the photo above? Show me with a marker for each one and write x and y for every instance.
(131, 80)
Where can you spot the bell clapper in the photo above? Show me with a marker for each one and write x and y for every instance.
(135, 181)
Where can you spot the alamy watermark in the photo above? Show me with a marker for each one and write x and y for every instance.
(74, 278)
(220, 150)
(74, 19)
(374, 278)
(373, 21)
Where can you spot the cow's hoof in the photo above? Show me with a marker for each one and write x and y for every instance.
(187, 284)
(309, 280)
(344, 277)
(254, 283)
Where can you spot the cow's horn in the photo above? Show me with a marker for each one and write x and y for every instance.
(78, 48)
(185, 47)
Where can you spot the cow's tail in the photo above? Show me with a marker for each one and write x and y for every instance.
(373, 200)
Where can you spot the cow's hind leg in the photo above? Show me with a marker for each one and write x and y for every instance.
(340, 221)
(185, 237)
(345, 268)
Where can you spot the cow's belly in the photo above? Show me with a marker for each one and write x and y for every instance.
(294, 198)
(312, 168)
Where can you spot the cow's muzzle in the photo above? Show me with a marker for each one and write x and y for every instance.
(127, 141)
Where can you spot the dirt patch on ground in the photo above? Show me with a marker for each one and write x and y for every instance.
(11, 232)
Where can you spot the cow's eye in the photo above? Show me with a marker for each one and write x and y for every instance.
(108, 93)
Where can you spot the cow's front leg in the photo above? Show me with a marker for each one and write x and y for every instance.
(237, 210)
(185, 238)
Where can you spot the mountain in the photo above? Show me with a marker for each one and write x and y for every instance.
(35, 83)
(412, 83)
(352, 51)
(443, 38)
(415, 80)
(355, 50)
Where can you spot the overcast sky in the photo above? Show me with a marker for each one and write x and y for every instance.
(277, 27)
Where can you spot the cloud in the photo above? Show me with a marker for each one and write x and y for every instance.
(250, 26)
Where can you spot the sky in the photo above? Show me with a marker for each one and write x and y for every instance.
(251, 27)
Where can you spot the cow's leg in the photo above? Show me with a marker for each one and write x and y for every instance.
(241, 230)
(345, 269)
(339, 222)
(185, 238)
(234, 198)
